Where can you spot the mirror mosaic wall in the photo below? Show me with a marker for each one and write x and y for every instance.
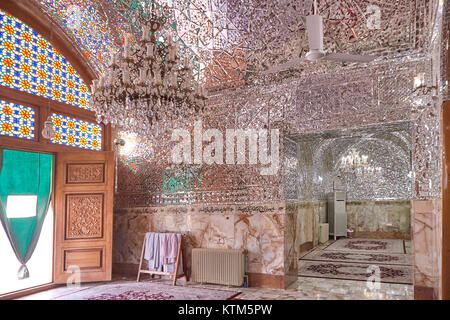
(388, 148)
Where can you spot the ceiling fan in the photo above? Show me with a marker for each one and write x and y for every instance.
(314, 28)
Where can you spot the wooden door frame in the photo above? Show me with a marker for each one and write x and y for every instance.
(446, 201)
(26, 292)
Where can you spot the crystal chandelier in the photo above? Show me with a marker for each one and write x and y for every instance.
(360, 165)
(353, 160)
(147, 88)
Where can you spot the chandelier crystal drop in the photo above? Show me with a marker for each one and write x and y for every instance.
(147, 88)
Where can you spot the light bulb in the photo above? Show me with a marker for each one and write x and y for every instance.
(419, 80)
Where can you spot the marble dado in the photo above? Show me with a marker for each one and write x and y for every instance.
(386, 219)
(291, 252)
(427, 217)
(258, 229)
(310, 215)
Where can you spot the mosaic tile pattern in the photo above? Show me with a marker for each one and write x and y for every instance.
(29, 63)
(85, 22)
(233, 39)
(388, 147)
(16, 120)
(76, 133)
(291, 170)
(355, 99)
(444, 53)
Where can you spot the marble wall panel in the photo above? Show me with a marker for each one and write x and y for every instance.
(139, 221)
(391, 219)
(383, 217)
(427, 223)
(310, 215)
(258, 229)
(291, 249)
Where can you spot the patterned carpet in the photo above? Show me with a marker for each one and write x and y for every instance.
(147, 291)
(359, 259)
(368, 245)
(355, 271)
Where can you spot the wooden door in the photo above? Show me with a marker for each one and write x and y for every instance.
(84, 190)
(446, 202)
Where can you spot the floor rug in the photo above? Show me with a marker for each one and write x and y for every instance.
(359, 257)
(147, 291)
(368, 245)
(354, 271)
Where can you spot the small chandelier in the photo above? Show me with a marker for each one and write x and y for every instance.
(360, 165)
(368, 171)
(146, 88)
(353, 160)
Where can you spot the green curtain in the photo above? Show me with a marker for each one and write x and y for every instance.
(24, 173)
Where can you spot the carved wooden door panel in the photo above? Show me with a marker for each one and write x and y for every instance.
(84, 190)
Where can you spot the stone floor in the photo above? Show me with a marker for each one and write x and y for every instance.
(303, 289)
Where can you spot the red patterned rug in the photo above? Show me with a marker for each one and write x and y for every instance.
(359, 257)
(133, 295)
(368, 245)
(355, 271)
(148, 291)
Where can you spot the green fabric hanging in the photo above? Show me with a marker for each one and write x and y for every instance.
(24, 173)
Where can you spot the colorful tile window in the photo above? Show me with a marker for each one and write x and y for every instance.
(29, 63)
(99, 34)
(16, 120)
(76, 133)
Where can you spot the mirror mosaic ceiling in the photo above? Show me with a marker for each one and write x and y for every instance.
(233, 40)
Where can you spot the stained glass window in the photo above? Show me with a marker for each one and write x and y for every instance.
(99, 33)
(16, 120)
(29, 63)
(76, 133)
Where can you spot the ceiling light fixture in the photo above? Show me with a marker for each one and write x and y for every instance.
(147, 87)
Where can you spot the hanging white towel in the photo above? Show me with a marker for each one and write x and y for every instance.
(169, 248)
(152, 251)
(161, 250)
(169, 252)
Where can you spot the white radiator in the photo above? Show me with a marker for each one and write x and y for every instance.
(218, 266)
